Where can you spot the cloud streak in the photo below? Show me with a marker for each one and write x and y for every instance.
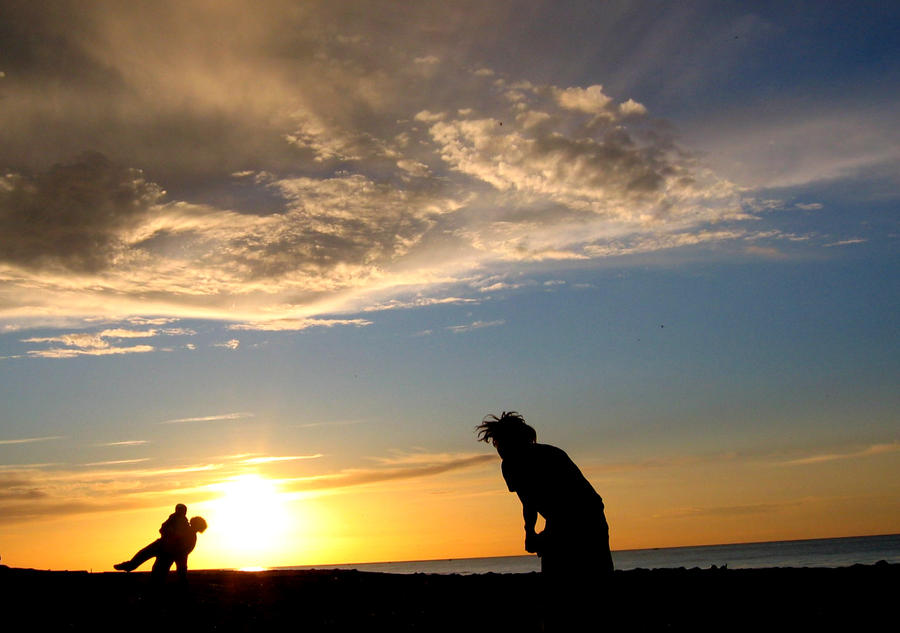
(475, 325)
(210, 418)
(275, 459)
(869, 451)
(361, 477)
(30, 440)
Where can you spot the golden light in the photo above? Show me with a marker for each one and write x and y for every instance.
(251, 522)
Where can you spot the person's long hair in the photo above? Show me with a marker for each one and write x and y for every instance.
(509, 428)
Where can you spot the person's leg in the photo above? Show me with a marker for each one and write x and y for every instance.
(161, 566)
(141, 557)
(181, 568)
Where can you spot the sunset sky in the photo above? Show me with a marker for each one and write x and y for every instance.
(276, 260)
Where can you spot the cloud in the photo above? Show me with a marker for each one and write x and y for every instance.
(36, 493)
(416, 458)
(475, 325)
(210, 418)
(856, 240)
(590, 100)
(118, 462)
(798, 146)
(274, 459)
(98, 343)
(874, 449)
(283, 325)
(72, 215)
(360, 477)
(306, 164)
(29, 440)
(232, 344)
(418, 302)
(309, 425)
(125, 443)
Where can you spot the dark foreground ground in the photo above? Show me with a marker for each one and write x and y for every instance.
(858, 598)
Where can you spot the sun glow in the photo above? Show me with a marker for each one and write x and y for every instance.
(251, 521)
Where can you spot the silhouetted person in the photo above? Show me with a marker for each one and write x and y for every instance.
(177, 551)
(178, 537)
(574, 545)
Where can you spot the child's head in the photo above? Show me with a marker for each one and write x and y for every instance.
(198, 524)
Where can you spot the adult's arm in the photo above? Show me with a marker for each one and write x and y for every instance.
(529, 514)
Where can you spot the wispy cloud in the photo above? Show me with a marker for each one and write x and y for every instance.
(118, 462)
(309, 425)
(125, 443)
(423, 457)
(359, 477)
(874, 449)
(475, 325)
(418, 302)
(90, 351)
(29, 440)
(285, 325)
(210, 418)
(48, 490)
(99, 343)
(274, 459)
(856, 240)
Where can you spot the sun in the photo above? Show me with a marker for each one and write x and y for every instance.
(251, 520)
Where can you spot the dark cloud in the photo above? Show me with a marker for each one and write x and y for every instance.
(70, 216)
(46, 42)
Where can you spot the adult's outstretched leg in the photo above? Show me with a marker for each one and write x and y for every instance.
(141, 557)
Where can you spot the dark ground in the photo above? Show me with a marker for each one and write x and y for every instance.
(858, 598)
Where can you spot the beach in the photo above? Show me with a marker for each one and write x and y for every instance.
(781, 599)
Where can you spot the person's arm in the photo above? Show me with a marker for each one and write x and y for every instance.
(529, 514)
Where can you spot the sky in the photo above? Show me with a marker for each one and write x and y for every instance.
(276, 260)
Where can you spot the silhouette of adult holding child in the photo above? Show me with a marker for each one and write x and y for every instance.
(177, 539)
(574, 545)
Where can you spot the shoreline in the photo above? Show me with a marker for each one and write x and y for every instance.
(781, 598)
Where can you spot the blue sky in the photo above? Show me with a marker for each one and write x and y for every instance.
(341, 233)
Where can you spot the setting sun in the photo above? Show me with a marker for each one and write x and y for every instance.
(250, 520)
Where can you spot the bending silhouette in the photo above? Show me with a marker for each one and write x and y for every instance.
(177, 539)
(574, 545)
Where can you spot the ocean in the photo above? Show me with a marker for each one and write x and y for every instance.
(830, 552)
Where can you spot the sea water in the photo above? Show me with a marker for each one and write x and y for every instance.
(831, 552)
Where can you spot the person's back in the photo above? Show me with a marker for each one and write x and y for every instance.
(175, 525)
(553, 483)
